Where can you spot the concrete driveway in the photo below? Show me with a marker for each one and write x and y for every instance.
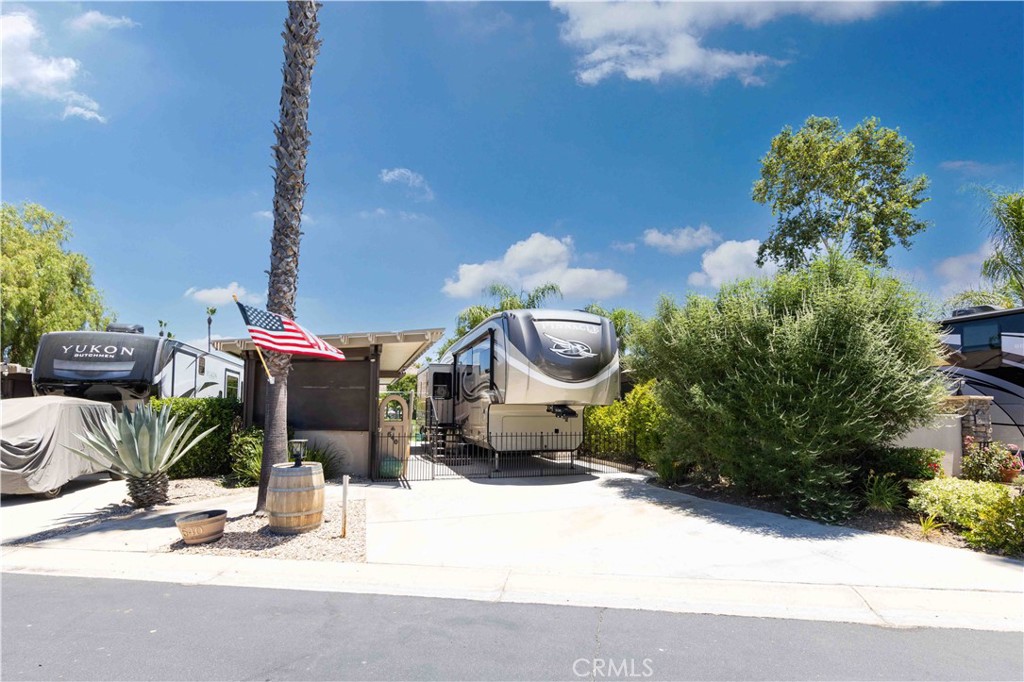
(620, 525)
(24, 515)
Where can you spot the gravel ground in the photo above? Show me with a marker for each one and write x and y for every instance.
(249, 535)
(243, 535)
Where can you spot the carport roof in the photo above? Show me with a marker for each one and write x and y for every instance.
(398, 350)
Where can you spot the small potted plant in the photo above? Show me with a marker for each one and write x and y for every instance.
(1010, 465)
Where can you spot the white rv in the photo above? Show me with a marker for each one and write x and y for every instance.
(128, 367)
(521, 379)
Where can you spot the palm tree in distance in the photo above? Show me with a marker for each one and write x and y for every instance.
(292, 132)
(210, 312)
(507, 299)
(1004, 269)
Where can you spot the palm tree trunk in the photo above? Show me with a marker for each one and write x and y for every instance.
(300, 50)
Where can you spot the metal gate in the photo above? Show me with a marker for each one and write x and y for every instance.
(406, 457)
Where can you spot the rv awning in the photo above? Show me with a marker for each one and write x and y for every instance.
(398, 350)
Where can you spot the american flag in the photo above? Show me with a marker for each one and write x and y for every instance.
(274, 332)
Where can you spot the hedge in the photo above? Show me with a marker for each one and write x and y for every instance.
(210, 457)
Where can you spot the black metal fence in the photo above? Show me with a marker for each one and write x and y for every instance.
(412, 457)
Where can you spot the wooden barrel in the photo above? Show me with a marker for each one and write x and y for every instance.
(295, 498)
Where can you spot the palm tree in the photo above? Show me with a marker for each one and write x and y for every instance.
(292, 131)
(1006, 264)
(1004, 269)
(210, 312)
(508, 299)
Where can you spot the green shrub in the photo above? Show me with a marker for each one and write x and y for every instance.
(780, 385)
(667, 467)
(957, 501)
(1000, 527)
(247, 456)
(883, 493)
(210, 457)
(330, 459)
(628, 428)
(915, 464)
(983, 461)
(823, 495)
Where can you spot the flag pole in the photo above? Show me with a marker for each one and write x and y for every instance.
(270, 378)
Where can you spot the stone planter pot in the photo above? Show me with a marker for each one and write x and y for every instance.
(202, 526)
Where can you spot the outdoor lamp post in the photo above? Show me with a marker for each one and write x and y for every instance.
(297, 448)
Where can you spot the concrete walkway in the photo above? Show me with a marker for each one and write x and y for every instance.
(609, 541)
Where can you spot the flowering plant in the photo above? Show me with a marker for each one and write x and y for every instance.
(987, 461)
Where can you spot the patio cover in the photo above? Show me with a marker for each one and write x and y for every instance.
(398, 350)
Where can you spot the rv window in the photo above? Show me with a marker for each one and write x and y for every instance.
(231, 385)
(442, 386)
(981, 335)
(202, 365)
(474, 365)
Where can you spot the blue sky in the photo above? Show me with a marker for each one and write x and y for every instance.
(608, 148)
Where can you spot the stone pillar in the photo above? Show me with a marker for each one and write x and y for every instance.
(976, 413)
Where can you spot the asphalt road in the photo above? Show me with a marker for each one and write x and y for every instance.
(55, 628)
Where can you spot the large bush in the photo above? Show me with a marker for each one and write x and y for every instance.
(210, 457)
(955, 500)
(630, 426)
(779, 385)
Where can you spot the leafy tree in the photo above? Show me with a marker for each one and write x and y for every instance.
(404, 384)
(300, 50)
(507, 299)
(1004, 269)
(840, 191)
(45, 287)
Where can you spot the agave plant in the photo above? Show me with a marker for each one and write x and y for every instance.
(141, 446)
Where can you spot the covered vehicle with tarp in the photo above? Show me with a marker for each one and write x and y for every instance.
(36, 437)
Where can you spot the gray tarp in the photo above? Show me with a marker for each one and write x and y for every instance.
(35, 434)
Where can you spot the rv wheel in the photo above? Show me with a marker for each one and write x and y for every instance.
(49, 494)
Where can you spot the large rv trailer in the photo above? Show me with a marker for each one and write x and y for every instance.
(125, 367)
(521, 380)
(987, 358)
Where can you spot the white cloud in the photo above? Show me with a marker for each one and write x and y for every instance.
(223, 295)
(28, 72)
(973, 168)
(681, 239)
(624, 247)
(729, 261)
(648, 41)
(532, 262)
(269, 215)
(958, 273)
(93, 20)
(411, 179)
